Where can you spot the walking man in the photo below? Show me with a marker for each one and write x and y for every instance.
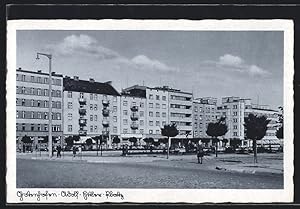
(200, 153)
(58, 149)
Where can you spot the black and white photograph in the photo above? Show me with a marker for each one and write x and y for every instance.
(102, 112)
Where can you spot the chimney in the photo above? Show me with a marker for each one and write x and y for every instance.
(76, 78)
(92, 80)
(53, 73)
(19, 68)
(39, 71)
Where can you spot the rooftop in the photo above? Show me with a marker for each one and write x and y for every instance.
(74, 84)
(39, 72)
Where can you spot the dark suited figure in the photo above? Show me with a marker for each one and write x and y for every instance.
(200, 153)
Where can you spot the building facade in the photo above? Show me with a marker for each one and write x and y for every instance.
(91, 109)
(204, 112)
(32, 105)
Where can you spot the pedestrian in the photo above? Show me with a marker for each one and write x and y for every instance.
(74, 151)
(58, 149)
(200, 153)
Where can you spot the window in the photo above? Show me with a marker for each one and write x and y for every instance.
(23, 126)
(133, 103)
(69, 94)
(91, 117)
(58, 116)
(70, 128)
(58, 93)
(141, 113)
(45, 115)
(46, 92)
(164, 106)
(234, 133)
(234, 106)
(39, 79)
(81, 95)
(23, 78)
(32, 114)
(38, 103)
(141, 122)
(235, 120)
(115, 129)
(150, 123)
(157, 131)
(39, 92)
(95, 117)
(164, 98)
(125, 121)
(125, 103)
(95, 107)
(95, 128)
(70, 116)
(96, 98)
(151, 114)
(91, 106)
(157, 105)
(23, 102)
(150, 131)
(235, 113)
(234, 127)
(157, 123)
(32, 91)
(157, 114)
(164, 123)
(46, 104)
(141, 131)
(91, 96)
(114, 99)
(115, 118)
(164, 114)
(91, 128)
(157, 97)
(115, 108)
(45, 80)
(32, 78)
(125, 130)
(150, 96)
(150, 105)
(58, 105)
(70, 105)
(23, 90)
(32, 127)
(125, 112)
(39, 115)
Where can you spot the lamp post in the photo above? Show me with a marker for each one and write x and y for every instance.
(49, 56)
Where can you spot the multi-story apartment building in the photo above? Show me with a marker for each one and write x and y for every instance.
(91, 109)
(180, 111)
(204, 112)
(133, 113)
(32, 104)
(272, 115)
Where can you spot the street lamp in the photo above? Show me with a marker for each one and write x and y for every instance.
(49, 56)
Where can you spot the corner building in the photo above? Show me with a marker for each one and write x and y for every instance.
(32, 105)
(91, 109)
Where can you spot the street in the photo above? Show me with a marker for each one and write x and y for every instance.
(128, 174)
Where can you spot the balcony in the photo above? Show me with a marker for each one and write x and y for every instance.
(105, 112)
(134, 108)
(105, 102)
(105, 123)
(82, 122)
(82, 101)
(82, 111)
(134, 116)
(134, 126)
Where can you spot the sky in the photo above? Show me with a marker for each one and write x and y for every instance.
(248, 64)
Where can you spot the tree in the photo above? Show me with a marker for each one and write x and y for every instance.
(89, 142)
(169, 131)
(99, 140)
(26, 139)
(70, 141)
(279, 132)
(163, 140)
(255, 127)
(116, 140)
(235, 142)
(133, 140)
(148, 141)
(217, 129)
(225, 141)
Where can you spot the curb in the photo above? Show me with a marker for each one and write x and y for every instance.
(241, 170)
